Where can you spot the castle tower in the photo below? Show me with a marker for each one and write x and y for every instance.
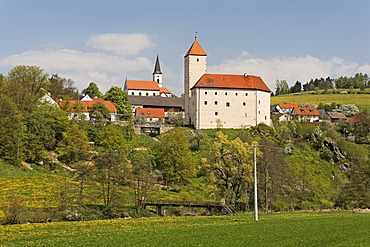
(157, 74)
(195, 65)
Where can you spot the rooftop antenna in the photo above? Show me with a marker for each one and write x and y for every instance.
(196, 35)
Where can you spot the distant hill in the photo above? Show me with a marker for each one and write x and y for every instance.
(362, 101)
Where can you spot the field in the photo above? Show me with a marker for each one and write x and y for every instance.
(362, 101)
(293, 229)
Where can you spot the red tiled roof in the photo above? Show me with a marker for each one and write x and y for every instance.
(287, 106)
(232, 81)
(164, 90)
(307, 111)
(150, 112)
(142, 85)
(87, 104)
(196, 49)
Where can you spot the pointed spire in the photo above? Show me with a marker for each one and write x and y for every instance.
(157, 67)
(196, 49)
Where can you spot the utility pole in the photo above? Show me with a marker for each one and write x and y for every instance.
(255, 183)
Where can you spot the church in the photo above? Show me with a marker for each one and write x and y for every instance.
(222, 100)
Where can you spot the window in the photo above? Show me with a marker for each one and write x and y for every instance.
(265, 117)
(227, 104)
(244, 104)
(205, 102)
(132, 93)
(246, 114)
(225, 93)
(215, 93)
(153, 94)
(246, 94)
(140, 94)
(216, 113)
(259, 112)
(236, 94)
(205, 93)
(259, 102)
(197, 60)
(147, 94)
(216, 102)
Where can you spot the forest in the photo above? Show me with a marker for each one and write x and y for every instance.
(300, 166)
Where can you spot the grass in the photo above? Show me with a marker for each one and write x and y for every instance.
(362, 101)
(293, 229)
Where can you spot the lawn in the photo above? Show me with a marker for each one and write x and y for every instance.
(286, 229)
(362, 101)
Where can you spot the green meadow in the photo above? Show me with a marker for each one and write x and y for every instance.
(285, 229)
(362, 101)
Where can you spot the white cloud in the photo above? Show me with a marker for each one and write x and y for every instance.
(291, 69)
(121, 43)
(105, 70)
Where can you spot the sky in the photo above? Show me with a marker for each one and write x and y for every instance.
(107, 41)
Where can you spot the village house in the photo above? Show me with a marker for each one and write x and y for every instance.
(222, 100)
(332, 116)
(152, 115)
(304, 114)
(80, 108)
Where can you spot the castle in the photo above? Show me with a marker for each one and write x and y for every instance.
(210, 100)
(222, 100)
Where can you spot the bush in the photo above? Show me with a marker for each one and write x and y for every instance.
(12, 210)
(279, 205)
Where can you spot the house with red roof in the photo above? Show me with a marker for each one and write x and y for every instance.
(80, 108)
(150, 115)
(305, 114)
(222, 100)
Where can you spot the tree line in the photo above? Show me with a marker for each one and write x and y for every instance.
(358, 81)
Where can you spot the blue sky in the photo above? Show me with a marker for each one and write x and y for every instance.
(107, 41)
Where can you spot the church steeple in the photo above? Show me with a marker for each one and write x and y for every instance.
(157, 67)
(157, 74)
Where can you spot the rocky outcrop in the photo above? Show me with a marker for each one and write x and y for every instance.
(338, 155)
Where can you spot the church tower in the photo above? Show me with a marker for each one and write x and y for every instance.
(195, 65)
(157, 74)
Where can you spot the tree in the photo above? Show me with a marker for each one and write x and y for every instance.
(142, 171)
(173, 157)
(281, 87)
(12, 131)
(74, 146)
(120, 99)
(274, 176)
(99, 112)
(111, 163)
(92, 90)
(45, 127)
(62, 88)
(25, 84)
(297, 88)
(229, 166)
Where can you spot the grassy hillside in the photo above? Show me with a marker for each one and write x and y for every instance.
(362, 101)
(293, 229)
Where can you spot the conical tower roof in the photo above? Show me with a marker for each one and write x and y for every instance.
(157, 67)
(196, 49)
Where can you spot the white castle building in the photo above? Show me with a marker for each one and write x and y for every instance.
(222, 100)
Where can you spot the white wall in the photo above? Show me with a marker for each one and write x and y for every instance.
(235, 108)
